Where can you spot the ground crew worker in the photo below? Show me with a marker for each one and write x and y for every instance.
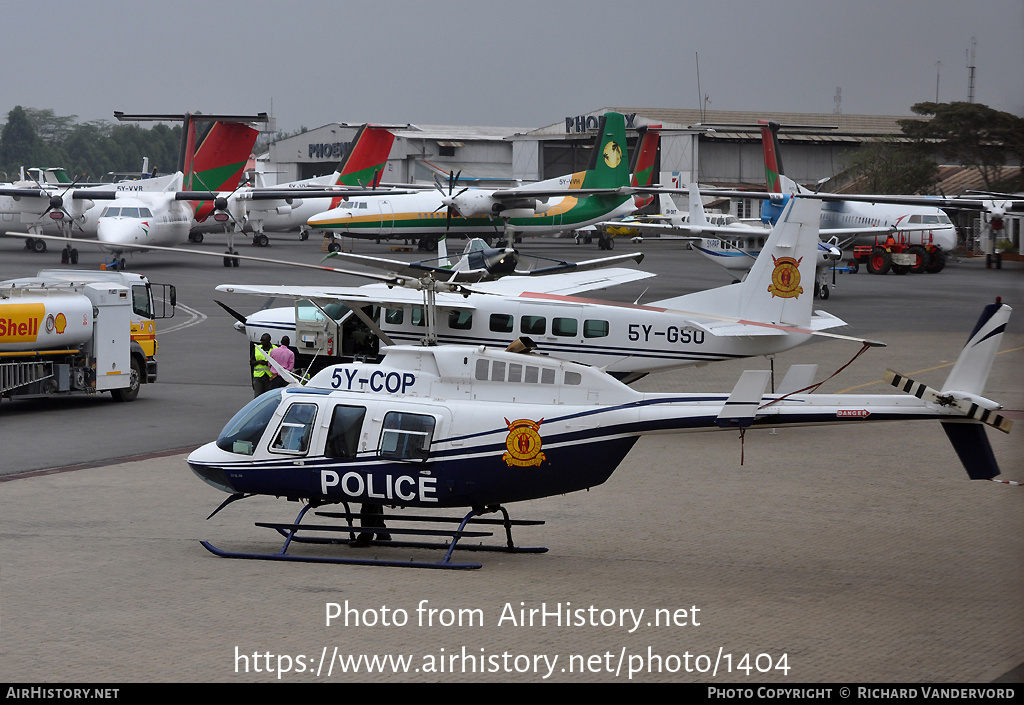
(260, 367)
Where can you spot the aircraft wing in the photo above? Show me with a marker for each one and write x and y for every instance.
(351, 296)
(564, 283)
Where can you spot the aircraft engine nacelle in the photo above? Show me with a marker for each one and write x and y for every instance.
(772, 209)
(284, 210)
(473, 203)
(519, 208)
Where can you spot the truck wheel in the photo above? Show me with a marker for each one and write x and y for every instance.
(879, 261)
(132, 390)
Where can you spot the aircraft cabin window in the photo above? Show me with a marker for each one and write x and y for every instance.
(547, 375)
(501, 323)
(532, 374)
(406, 436)
(244, 430)
(460, 320)
(481, 370)
(595, 329)
(296, 428)
(515, 372)
(306, 311)
(498, 371)
(565, 326)
(533, 325)
(343, 434)
(573, 378)
(394, 316)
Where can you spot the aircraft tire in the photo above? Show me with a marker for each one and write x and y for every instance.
(938, 262)
(262, 240)
(227, 260)
(39, 245)
(923, 259)
(611, 244)
(234, 261)
(130, 392)
(333, 247)
(74, 255)
(823, 292)
(303, 235)
(879, 261)
(121, 264)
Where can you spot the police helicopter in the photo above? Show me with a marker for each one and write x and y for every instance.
(455, 426)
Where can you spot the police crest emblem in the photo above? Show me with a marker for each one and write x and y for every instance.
(523, 443)
(786, 278)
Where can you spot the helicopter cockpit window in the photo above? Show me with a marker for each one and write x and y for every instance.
(244, 430)
(406, 436)
(296, 429)
(343, 434)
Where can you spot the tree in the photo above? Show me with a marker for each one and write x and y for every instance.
(889, 166)
(974, 135)
(19, 143)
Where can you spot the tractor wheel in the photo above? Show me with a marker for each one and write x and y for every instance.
(938, 262)
(923, 259)
(879, 261)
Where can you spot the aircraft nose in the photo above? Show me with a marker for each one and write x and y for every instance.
(118, 231)
(328, 218)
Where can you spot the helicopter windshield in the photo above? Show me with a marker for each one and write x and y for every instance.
(243, 431)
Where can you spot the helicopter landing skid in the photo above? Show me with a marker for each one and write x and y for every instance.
(289, 532)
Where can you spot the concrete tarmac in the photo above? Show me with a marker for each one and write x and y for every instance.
(852, 554)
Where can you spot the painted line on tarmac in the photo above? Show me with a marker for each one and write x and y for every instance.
(97, 464)
(195, 318)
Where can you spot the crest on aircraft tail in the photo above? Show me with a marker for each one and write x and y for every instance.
(786, 278)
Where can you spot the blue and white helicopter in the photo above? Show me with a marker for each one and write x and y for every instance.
(475, 427)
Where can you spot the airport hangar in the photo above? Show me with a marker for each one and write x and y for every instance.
(724, 156)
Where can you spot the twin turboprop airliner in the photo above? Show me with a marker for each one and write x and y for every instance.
(555, 205)
(158, 212)
(923, 230)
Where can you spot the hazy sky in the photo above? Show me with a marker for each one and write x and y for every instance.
(527, 63)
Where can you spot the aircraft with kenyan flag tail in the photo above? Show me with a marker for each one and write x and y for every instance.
(555, 205)
(250, 212)
(160, 211)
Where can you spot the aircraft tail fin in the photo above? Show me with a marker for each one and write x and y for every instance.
(697, 215)
(608, 166)
(666, 206)
(779, 289)
(643, 161)
(365, 162)
(775, 176)
(219, 160)
(962, 391)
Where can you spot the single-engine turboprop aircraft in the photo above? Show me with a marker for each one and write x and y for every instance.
(550, 206)
(477, 427)
(769, 312)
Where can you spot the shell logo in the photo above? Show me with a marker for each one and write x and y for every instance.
(60, 323)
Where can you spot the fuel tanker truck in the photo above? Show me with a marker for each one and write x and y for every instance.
(79, 332)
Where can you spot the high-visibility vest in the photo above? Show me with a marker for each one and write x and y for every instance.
(262, 368)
